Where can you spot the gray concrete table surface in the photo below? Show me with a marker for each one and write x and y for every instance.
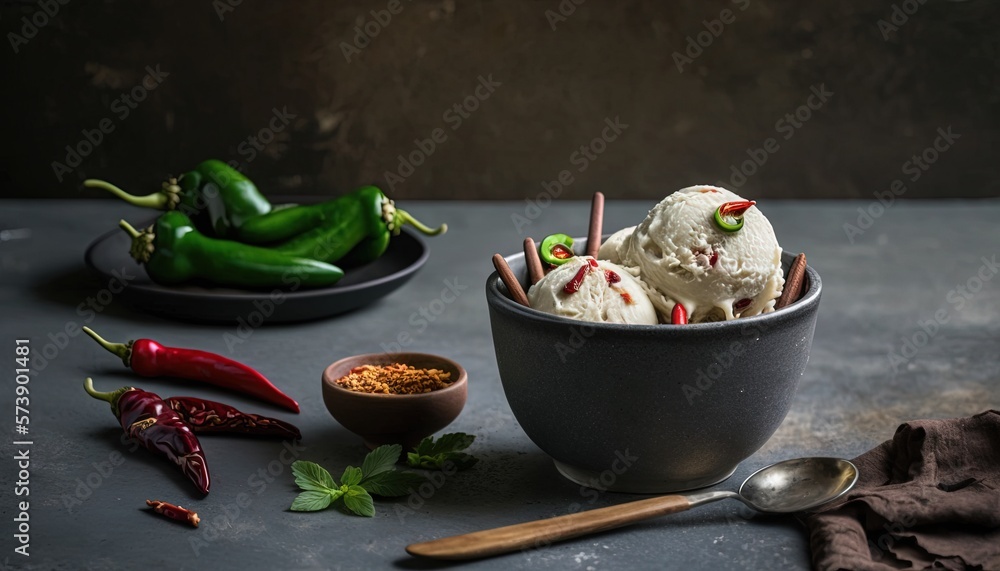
(914, 265)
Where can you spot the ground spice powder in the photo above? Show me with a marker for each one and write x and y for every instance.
(394, 379)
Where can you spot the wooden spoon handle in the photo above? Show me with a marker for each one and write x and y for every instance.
(540, 533)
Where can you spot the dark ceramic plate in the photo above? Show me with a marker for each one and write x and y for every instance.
(362, 285)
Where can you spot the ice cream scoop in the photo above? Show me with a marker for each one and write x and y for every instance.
(609, 249)
(708, 249)
(591, 290)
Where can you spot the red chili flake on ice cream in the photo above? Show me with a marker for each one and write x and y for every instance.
(735, 208)
(573, 285)
(614, 278)
(714, 260)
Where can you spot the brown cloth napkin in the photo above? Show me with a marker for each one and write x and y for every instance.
(927, 499)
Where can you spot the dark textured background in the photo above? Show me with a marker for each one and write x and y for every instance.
(607, 59)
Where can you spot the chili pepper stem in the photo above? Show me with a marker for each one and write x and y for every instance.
(404, 217)
(158, 200)
(128, 228)
(142, 242)
(111, 397)
(88, 385)
(119, 349)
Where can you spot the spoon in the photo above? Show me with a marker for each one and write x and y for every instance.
(786, 487)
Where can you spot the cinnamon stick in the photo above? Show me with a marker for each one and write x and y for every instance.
(596, 224)
(534, 263)
(509, 280)
(793, 283)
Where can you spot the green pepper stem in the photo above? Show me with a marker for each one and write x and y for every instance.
(128, 228)
(142, 243)
(404, 217)
(110, 397)
(119, 349)
(88, 385)
(156, 200)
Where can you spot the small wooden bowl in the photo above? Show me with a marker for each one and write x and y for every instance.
(395, 419)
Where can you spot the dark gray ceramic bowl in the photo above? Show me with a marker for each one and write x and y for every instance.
(649, 408)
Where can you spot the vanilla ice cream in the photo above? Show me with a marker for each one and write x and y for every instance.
(590, 290)
(609, 249)
(683, 255)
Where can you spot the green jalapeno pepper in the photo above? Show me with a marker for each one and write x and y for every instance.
(216, 195)
(173, 251)
(357, 230)
(556, 249)
(286, 223)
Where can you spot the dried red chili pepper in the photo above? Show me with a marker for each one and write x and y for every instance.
(174, 512)
(150, 359)
(206, 417)
(146, 418)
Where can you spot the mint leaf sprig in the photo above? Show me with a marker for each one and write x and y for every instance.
(377, 475)
(436, 455)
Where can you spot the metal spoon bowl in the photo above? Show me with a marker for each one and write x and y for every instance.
(790, 486)
(786, 487)
(798, 485)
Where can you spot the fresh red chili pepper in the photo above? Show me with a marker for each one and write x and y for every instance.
(679, 316)
(146, 418)
(174, 512)
(150, 359)
(206, 417)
